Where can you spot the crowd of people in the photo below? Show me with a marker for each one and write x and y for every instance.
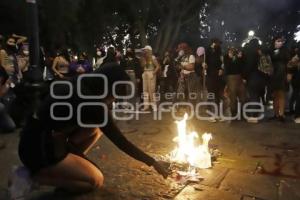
(231, 76)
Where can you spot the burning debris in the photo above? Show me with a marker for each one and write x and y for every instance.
(186, 160)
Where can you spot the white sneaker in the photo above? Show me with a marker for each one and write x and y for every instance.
(253, 120)
(297, 120)
(20, 183)
(212, 120)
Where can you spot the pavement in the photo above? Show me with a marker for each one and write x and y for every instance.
(258, 161)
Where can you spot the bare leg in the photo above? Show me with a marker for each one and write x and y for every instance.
(74, 174)
(85, 139)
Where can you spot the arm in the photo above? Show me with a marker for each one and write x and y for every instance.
(54, 65)
(20, 39)
(157, 66)
(115, 135)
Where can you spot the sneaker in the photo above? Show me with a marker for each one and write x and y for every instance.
(252, 120)
(297, 120)
(20, 183)
(273, 118)
(212, 120)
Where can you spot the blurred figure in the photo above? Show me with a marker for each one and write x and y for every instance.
(201, 71)
(265, 69)
(255, 78)
(61, 65)
(133, 69)
(110, 56)
(98, 60)
(150, 67)
(188, 82)
(23, 58)
(6, 122)
(80, 66)
(294, 78)
(215, 83)
(169, 79)
(8, 58)
(279, 56)
(233, 65)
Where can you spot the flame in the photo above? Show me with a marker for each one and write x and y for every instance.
(187, 151)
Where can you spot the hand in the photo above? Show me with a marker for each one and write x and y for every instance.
(204, 65)
(220, 73)
(289, 77)
(61, 76)
(161, 168)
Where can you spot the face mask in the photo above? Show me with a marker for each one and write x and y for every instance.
(12, 48)
(99, 53)
(181, 53)
(26, 53)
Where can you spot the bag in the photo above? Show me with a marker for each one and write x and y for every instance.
(47, 74)
(265, 65)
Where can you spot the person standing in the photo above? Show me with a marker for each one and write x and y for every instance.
(168, 82)
(61, 65)
(7, 124)
(151, 68)
(81, 66)
(133, 69)
(279, 56)
(233, 65)
(294, 79)
(188, 81)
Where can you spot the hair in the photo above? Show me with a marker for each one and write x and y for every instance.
(65, 54)
(110, 55)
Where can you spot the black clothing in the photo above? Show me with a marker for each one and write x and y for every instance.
(233, 66)
(279, 59)
(39, 148)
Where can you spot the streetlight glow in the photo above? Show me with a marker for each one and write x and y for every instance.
(251, 33)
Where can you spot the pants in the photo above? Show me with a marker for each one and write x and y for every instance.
(255, 86)
(279, 102)
(129, 89)
(6, 122)
(189, 87)
(167, 85)
(297, 107)
(149, 85)
(215, 85)
(236, 90)
(294, 97)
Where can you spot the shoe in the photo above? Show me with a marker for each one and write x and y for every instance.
(273, 118)
(19, 184)
(297, 120)
(252, 120)
(281, 119)
(212, 120)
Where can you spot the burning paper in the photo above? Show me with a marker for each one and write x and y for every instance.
(187, 151)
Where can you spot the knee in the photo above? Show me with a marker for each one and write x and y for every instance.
(97, 181)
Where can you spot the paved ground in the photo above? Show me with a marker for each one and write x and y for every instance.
(259, 161)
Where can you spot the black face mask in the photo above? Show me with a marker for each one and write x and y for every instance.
(81, 62)
(12, 48)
